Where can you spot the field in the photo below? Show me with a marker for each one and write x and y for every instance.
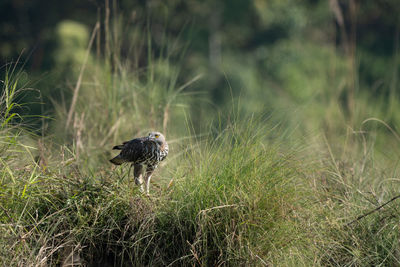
(306, 179)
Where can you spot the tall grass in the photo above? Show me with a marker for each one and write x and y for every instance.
(231, 202)
(116, 98)
(241, 194)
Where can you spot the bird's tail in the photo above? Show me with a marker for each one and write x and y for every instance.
(117, 160)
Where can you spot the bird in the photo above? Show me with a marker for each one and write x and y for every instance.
(144, 153)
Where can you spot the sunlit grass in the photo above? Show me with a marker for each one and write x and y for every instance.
(238, 195)
(231, 202)
(243, 192)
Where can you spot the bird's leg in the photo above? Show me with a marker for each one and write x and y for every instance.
(138, 169)
(149, 172)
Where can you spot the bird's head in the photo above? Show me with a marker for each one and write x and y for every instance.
(157, 137)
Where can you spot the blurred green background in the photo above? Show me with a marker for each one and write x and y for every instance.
(282, 118)
(282, 57)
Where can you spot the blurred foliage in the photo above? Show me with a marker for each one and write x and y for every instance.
(72, 39)
(273, 54)
(201, 71)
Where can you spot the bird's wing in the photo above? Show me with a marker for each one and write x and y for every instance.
(135, 150)
(120, 147)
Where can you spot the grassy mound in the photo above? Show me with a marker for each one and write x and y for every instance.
(241, 194)
(227, 199)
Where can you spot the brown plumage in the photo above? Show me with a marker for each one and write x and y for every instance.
(142, 153)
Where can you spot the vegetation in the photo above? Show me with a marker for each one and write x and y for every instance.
(289, 157)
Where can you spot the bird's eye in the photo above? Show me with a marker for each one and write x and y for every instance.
(157, 135)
